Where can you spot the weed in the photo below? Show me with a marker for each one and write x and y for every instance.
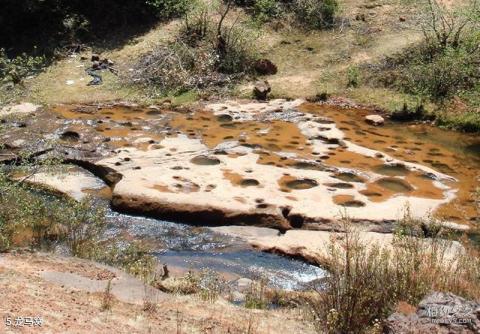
(366, 281)
(107, 299)
(353, 76)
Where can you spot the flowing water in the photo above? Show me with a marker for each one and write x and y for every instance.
(184, 247)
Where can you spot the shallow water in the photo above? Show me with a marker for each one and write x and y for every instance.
(185, 247)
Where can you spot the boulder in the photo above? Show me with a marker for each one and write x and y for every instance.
(438, 313)
(261, 90)
(265, 67)
(375, 120)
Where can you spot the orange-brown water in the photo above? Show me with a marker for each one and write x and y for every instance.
(455, 154)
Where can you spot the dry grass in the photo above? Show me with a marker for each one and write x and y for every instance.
(367, 282)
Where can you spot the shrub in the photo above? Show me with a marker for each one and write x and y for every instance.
(265, 10)
(467, 122)
(441, 77)
(197, 25)
(171, 8)
(447, 26)
(235, 51)
(316, 14)
(353, 76)
(365, 281)
(16, 69)
(32, 217)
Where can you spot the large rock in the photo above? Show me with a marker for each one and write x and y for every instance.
(261, 90)
(438, 313)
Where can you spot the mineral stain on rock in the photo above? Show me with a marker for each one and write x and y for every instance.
(289, 151)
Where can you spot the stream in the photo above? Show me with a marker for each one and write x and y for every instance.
(184, 247)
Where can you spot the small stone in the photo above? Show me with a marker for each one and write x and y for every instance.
(375, 120)
(261, 90)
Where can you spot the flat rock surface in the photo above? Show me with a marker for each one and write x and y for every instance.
(252, 181)
(278, 164)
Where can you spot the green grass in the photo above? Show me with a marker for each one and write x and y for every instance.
(466, 122)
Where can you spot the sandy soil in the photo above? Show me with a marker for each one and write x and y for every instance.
(28, 290)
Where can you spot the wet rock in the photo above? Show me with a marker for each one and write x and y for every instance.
(261, 90)
(265, 67)
(374, 120)
(438, 313)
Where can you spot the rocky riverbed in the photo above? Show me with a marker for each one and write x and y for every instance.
(290, 166)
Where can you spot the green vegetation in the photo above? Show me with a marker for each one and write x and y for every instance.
(208, 52)
(35, 218)
(366, 282)
(443, 67)
(310, 14)
(14, 70)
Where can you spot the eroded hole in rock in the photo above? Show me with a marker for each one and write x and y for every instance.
(70, 136)
(395, 185)
(263, 206)
(369, 193)
(392, 170)
(249, 183)
(308, 166)
(349, 177)
(204, 160)
(224, 118)
(339, 185)
(301, 184)
(348, 201)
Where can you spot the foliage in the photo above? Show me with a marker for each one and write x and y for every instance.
(353, 76)
(366, 281)
(256, 295)
(468, 121)
(316, 14)
(266, 10)
(171, 8)
(446, 74)
(35, 218)
(446, 26)
(207, 53)
(14, 70)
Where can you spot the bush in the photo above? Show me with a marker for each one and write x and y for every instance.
(171, 8)
(316, 14)
(467, 122)
(353, 76)
(266, 10)
(447, 73)
(206, 54)
(366, 282)
(236, 51)
(32, 217)
(16, 69)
